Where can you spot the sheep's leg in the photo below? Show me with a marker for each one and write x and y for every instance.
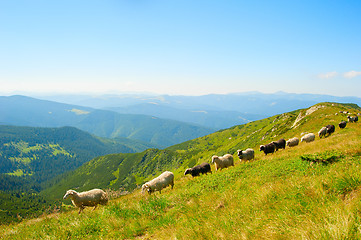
(80, 209)
(95, 207)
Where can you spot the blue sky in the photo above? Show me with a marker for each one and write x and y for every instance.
(180, 47)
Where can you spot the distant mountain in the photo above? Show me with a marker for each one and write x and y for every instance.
(209, 118)
(26, 111)
(214, 110)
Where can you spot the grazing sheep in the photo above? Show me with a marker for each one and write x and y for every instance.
(330, 129)
(342, 124)
(308, 138)
(322, 132)
(158, 183)
(87, 199)
(203, 168)
(248, 154)
(222, 162)
(268, 148)
(292, 142)
(280, 144)
(352, 119)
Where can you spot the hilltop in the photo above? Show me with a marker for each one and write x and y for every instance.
(283, 195)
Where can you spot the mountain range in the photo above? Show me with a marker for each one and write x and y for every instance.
(244, 102)
(26, 111)
(216, 111)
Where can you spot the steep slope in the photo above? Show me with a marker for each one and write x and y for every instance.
(26, 111)
(127, 171)
(311, 191)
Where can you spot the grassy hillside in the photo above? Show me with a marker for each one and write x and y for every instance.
(129, 171)
(311, 191)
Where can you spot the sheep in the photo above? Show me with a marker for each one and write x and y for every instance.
(342, 124)
(222, 162)
(268, 148)
(203, 168)
(89, 198)
(279, 144)
(158, 183)
(248, 154)
(330, 129)
(322, 132)
(352, 119)
(292, 142)
(308, 138)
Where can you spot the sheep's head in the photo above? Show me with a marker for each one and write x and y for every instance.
(69, 193)
(146, 188)
(188, 171)
(214, 158)
(261, 148)
(240, 154)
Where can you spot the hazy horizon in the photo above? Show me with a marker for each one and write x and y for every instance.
(180, 47)
(99, 94)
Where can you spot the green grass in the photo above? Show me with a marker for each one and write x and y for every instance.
(312, 191)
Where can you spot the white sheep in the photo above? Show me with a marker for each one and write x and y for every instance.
(322, 132)
(222, 162)
(308, 138)
(292, 142)
(247, 154)
(158, 183)
(90, 198)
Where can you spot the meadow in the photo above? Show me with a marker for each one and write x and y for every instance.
(311, 191)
